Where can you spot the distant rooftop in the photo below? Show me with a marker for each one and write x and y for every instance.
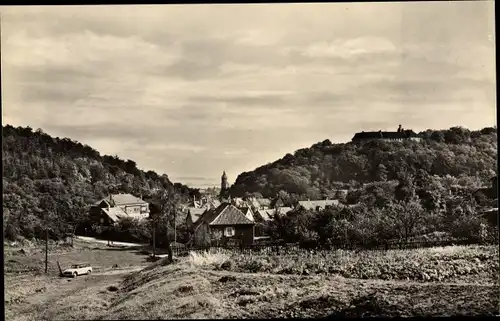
(400, 134)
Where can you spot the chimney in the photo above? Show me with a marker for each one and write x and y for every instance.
(400, 129)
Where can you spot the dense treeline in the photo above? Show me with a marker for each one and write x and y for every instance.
(50, 182)
(420, 207)
(317, 172)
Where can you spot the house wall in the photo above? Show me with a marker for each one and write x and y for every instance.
(135, 209)
(99, 217)
(243, 233)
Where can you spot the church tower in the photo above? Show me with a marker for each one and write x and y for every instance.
(224, 186)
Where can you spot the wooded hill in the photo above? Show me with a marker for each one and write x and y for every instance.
(318, 171)
(54, 180)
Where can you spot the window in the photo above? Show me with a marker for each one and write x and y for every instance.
(229, 231)
(102, 220)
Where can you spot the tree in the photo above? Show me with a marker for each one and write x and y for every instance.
(163, 209)
(406, 217)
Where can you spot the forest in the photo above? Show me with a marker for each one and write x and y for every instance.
(319, 171)
(49, 183)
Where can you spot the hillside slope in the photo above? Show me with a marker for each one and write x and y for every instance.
(316, 171)
(43, 175)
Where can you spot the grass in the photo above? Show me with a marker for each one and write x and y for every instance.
(99, 256)
(208, 258)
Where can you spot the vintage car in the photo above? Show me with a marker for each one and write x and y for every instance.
(78, 269)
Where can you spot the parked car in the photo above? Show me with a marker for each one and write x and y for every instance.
(78, 269)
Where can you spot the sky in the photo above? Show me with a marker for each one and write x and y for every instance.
(192, 90)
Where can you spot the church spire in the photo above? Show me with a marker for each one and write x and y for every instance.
(224, 186)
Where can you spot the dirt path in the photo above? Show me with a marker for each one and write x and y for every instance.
(39, 304)
(99, 241)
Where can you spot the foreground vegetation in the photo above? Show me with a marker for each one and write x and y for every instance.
(223, 285)
(450, 264)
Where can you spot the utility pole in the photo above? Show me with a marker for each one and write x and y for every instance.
(154, 239)
(46, 248)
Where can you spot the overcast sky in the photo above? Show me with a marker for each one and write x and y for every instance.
(192, 90)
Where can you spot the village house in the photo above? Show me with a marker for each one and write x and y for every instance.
(258, 203)
(485, 195)
(317, 205)
(487, 199)
(195, 208)
(266, 215)
(399, 135)
(224, 225)
(109, 210)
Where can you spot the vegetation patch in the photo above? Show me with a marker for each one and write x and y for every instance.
(476, 263)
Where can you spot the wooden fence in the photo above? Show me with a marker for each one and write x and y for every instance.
(287, 248)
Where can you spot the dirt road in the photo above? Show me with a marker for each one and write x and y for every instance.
(94, 240)
(40, 297)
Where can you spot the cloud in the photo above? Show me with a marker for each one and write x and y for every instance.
(349, 48)
(192, 90)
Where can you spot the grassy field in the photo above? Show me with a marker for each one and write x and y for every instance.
(225, 285)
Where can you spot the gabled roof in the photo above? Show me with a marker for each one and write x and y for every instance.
(115, 213)
(248, 212)
(266, 215)
(121, 199)
(225, 214)
(230, 215)
(284, 210)
(312, 205)
(195, 213)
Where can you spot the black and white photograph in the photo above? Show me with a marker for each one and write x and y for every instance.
(249, 160)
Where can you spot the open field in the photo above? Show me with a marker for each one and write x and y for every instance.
(220, 285)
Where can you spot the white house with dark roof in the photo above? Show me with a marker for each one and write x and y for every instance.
(223, 225)
(110, 209)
